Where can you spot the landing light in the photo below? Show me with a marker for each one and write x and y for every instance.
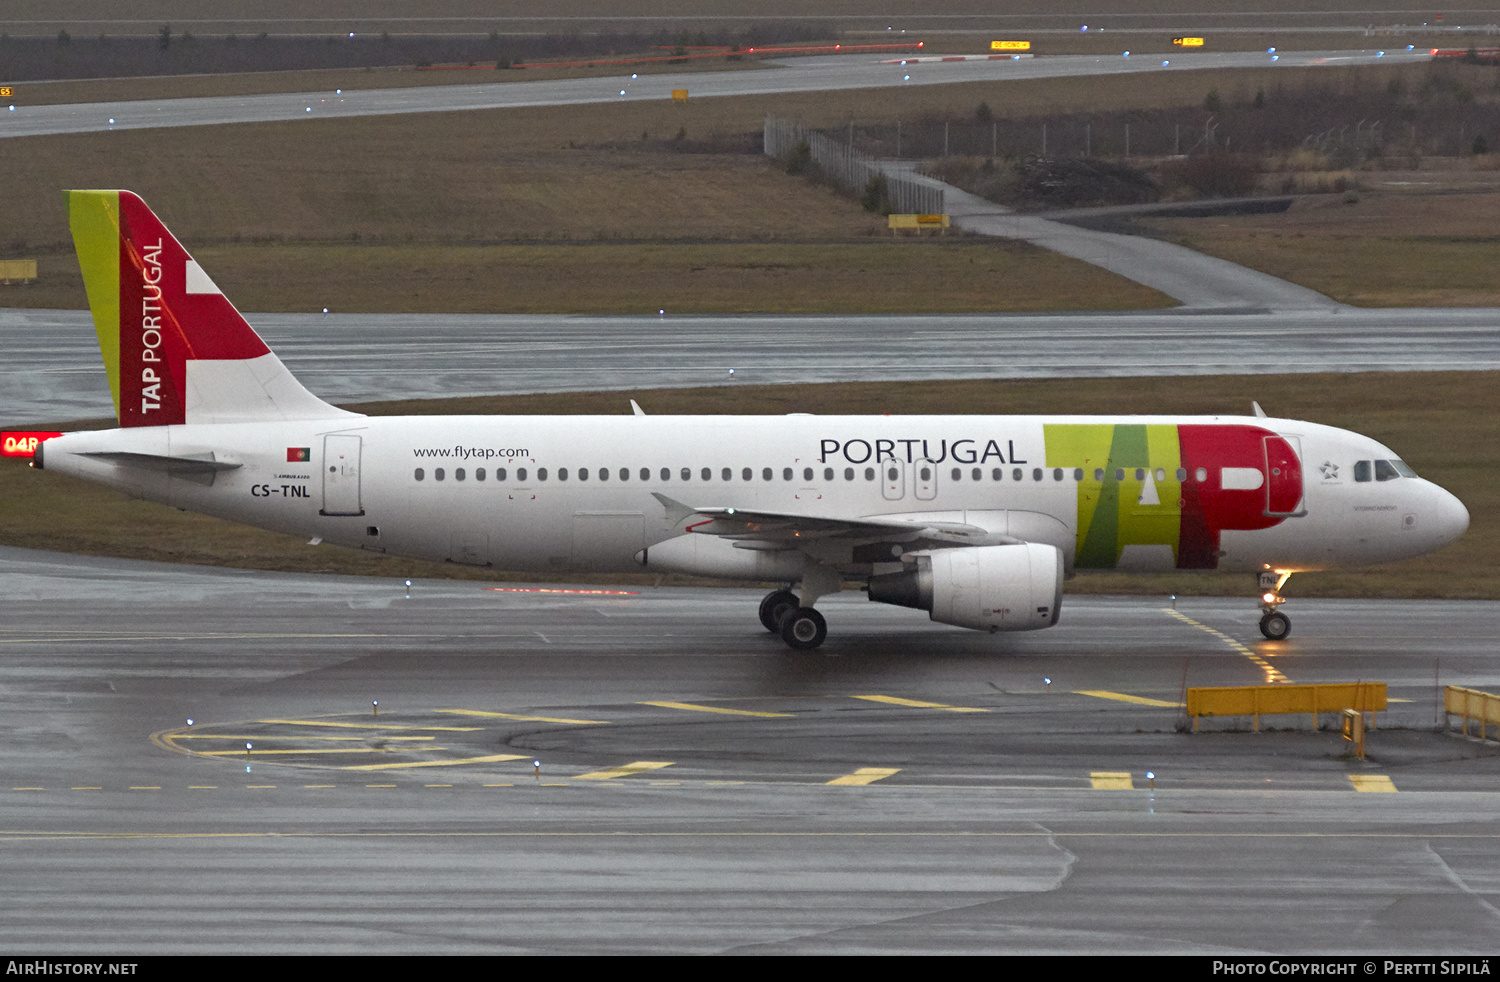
(1268, 597)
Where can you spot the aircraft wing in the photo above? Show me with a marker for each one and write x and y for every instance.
(779, 529)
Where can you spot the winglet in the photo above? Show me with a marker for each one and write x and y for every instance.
(675, 510)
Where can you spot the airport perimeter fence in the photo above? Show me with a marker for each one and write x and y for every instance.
(851, 169)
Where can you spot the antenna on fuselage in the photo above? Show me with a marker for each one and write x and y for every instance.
(635, 407)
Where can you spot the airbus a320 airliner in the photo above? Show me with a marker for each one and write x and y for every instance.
(974, 519)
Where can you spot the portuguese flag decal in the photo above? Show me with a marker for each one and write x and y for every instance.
(295, 455)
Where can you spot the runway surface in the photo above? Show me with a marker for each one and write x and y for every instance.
(813, 74)
(52, 369)
(688, 797)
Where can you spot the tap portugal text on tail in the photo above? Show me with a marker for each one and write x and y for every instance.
(975, 519)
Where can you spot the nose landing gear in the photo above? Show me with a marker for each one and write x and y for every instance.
(1273, 623)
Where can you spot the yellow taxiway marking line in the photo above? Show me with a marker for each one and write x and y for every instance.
(28, 789)
(375, 724)
(916, 704)
(303, 750)
(260, 786)
(87, 789)
(1371, 782)
(866, 775)
(523, 719)
(203, 787)
(285, 736)
(625, 771)
(380, 785)
(1111, 780)
(320, 785)
(436, 763)
(499, 785)
(1272, 673)
(1122, 697)
(711, 709)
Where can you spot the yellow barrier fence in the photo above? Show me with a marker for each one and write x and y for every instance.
(918, 222)
(1264, 700)
(12, 270)
(1471, 704)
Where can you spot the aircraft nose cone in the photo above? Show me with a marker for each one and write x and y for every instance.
(1452, 518)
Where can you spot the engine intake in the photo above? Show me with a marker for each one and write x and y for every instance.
(986, 588)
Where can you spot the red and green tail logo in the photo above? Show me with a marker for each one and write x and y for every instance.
(154, 307)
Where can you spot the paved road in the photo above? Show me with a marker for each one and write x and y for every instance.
(52, 370)
(797, 75)
(426, 830)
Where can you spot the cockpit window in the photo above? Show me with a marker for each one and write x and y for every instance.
(1381, 470)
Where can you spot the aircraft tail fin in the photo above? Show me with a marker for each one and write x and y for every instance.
(174, 347)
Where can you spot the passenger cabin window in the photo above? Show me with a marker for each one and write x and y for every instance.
(458, 474)
(500, 474)
(437, 474)
(420, 474)
(520, 475)
(479, 473)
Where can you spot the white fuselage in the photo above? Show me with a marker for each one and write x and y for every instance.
(583, 493)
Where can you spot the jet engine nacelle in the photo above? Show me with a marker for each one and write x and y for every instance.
(987, 588)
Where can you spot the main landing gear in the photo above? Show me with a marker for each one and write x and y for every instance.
(1273, 623)
(802, 628)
